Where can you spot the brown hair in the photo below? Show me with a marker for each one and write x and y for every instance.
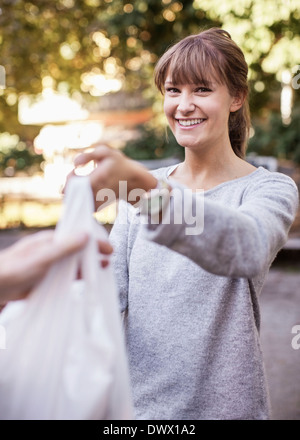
(211, 54)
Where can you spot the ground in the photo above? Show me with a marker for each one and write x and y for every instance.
(280, 312)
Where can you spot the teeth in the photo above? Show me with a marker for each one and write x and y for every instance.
(187, 123)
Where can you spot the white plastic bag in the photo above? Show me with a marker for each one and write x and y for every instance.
(65, 356)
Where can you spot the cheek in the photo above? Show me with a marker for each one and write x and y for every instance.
(168, 108)
(220, 110)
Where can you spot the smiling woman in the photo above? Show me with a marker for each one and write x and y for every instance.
(190, 294)
(207, 61)
(198, 116)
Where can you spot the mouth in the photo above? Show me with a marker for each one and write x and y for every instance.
(190, 122)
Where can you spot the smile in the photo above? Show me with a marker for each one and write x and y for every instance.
(190, 122)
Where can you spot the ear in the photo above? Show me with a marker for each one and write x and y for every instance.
(237, 102)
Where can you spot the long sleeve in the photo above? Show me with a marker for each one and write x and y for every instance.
(119, 240)
(181, 317)
(239, 240)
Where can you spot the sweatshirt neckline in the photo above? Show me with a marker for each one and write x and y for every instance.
(220, 185)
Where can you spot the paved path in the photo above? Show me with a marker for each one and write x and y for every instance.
(280, 312)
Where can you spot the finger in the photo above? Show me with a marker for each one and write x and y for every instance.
(105, 247)
(74, 245)
(104, 263)
(2, 305)
(99, 153)
(79, 274)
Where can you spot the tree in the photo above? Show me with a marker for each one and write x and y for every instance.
(67, 39)
(73, 41)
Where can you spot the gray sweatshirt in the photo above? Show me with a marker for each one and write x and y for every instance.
(191, 302)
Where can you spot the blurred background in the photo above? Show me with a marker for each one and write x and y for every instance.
(75, 72)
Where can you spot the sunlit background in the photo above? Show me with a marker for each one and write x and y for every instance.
(74, 73)
(77, 72)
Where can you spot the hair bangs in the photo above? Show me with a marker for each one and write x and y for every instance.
(196, 63)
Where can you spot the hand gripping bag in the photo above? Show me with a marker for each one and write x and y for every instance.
(65, 356)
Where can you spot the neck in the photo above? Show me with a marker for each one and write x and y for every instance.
(206, 169)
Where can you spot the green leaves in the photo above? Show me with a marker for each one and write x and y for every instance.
(122, 39)
(273, 138)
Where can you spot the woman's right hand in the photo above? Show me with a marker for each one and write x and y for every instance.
(112, 167)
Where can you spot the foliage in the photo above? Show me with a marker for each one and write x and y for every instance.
(268, 33)
(153, 143)
(16, 156)
(66, 40)
(273, 138)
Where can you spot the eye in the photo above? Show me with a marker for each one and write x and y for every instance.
(203, 89)
(172, 90)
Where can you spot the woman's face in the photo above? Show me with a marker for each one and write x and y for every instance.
(197, 114)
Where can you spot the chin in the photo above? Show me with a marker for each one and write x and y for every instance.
(188, 145)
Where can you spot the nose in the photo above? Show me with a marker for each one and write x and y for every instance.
(186, 104)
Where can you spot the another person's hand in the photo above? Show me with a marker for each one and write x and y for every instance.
(112, 167)
(26, 262)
